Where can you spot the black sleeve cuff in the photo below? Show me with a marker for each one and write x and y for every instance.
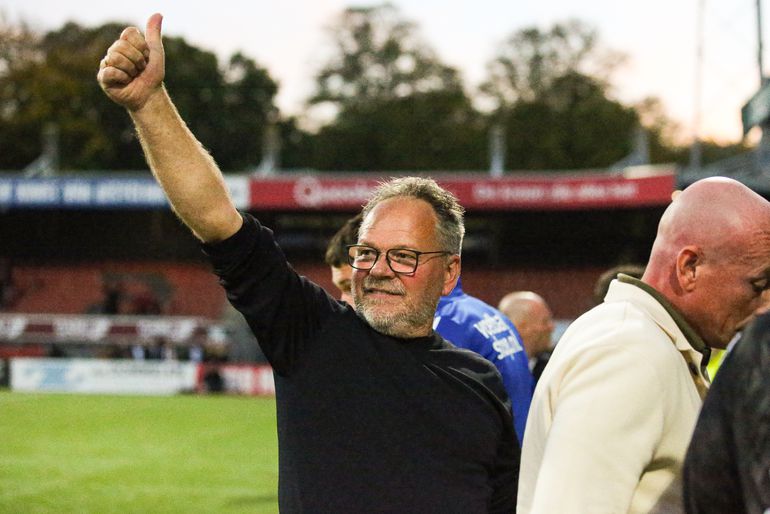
(223, 252)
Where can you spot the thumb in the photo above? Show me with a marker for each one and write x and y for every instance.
(152, 32)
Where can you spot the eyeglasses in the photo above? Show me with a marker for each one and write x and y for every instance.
(401, 260)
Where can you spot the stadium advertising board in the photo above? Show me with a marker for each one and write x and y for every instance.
(242, 379)
(146, 377)
(101, 376)
(43, 328)
(636, 187)
(141, 192)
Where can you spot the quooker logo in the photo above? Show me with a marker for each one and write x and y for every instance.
(311, 192)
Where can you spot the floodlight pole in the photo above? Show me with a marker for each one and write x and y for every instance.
(763, 149)
(695, 149)
(497, 150)
(759, 44)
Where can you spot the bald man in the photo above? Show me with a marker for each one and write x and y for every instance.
(614, 411)
(532, 317)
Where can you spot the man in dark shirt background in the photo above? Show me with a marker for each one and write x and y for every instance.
(727, 468)
(375, 412)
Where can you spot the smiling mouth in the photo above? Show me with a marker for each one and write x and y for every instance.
(381, 291)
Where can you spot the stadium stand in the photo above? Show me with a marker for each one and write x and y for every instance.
(191, 290)
(180, 288)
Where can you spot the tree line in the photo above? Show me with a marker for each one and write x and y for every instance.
(396, 105)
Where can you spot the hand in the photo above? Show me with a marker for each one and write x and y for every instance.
(134, 67)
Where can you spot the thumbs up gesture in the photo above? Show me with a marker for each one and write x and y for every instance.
(134, 67)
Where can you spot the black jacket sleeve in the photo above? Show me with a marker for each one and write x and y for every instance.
(725, 469)
(283, 309)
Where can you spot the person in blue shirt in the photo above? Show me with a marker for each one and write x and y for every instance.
(468, 322)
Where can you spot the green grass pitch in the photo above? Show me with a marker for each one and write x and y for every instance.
(62, 453)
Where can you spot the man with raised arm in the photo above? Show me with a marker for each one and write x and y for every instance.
(376, 413)
(615, 408)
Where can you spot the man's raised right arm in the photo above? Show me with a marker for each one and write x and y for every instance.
(131, 74)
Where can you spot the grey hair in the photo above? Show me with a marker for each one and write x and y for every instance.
(450, 228)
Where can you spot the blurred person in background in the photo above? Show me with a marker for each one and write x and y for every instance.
(532, 317)
(728, 461)
(470, 323)
(615, 408)
(602, 284)
(168, 350)
(114, 297)
(10, 292)
(375, 411)
(145, 303)
(138, 352)
(153, 350)
(336, 257)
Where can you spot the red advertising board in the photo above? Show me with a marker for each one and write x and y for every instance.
(634, 187)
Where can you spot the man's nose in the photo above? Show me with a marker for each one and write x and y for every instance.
(381, 267)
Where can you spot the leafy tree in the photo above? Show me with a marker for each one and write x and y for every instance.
(661, 132)
(379, 56)
(18, 46)
(398, 107)
(665, 142)
(228, 108)
(297, 145)
(530, 61)
(53, 80)
(248, 109)
(550, 89)
(424, 131)
(713, 151)
(571, 125)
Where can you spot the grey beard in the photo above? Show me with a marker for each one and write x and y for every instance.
(401, 324)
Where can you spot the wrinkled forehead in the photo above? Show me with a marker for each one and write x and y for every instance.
(750, 245)
(405, 222)
(750, 248)
(758, 261)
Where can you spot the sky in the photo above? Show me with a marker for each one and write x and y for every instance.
(660, 39)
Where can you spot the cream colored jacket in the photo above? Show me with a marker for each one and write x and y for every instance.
(614, 410)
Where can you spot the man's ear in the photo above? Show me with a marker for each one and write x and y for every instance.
(687, 261)
(451, 274)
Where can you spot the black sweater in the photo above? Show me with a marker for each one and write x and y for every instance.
(727, 467)
(366, 422)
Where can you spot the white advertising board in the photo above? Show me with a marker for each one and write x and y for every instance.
(102, 376)
(250, 380)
